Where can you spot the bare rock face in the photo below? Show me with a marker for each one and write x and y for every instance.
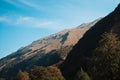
(51, 50)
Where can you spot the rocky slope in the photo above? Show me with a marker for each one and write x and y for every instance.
(81, 52)
(43, 52)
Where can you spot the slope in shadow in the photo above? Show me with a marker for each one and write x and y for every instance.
(79, 56)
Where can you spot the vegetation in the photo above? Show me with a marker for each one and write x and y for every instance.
(22, 76)
(48, 73)
(2, 79)
(81, 75)
(40, 73)
(106, 59)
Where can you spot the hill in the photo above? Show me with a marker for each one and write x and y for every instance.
(81, 53)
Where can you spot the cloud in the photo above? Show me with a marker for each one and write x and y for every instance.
(27, 21)
(35, 22)
(21, 20)
(15, 3)
(4, 19)
(23, 3)
(30, 4)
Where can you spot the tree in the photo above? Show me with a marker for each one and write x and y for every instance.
(2, 79)
(81, 75)
(22, 76)
(46, 73)
(106, 58)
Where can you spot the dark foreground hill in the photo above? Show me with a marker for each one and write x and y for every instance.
(82, 51)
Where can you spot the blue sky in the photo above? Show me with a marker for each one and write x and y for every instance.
(23, 21)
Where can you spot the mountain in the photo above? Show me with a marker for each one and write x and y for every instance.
(81, 53)
(51, 50)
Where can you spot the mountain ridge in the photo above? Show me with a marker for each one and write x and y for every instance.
(47, 51)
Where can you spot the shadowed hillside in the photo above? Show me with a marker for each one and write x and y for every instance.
(82, 51)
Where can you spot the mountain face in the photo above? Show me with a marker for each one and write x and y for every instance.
(51, 50)
(82, 51)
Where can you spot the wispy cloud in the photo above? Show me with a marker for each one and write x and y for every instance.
(24, 3)
(30, 4)
(4, 19)
(34, 22)
(15, 3)
(27, 21)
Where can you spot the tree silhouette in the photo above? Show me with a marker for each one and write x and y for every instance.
(46, 73)
(2, 79)
(106, 58)
(81, 75)
(22, 76)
